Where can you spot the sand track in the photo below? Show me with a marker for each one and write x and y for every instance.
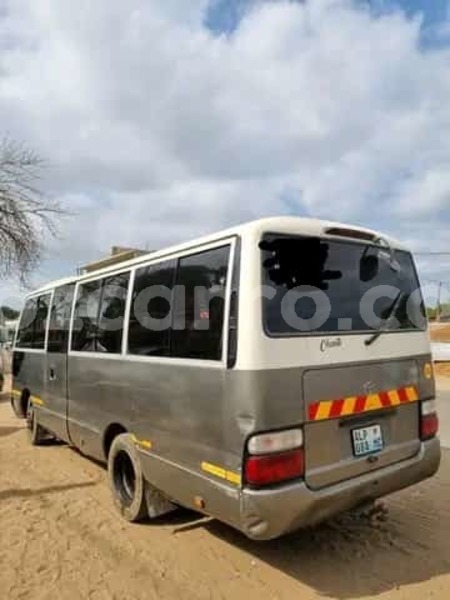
(60, 538)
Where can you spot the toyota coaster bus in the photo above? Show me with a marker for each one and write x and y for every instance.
(271, 375)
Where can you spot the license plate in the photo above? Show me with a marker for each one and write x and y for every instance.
(367, 440)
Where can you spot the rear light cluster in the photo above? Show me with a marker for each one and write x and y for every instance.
(429, 421)
(274, 458)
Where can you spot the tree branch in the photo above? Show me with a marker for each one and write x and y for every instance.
(25, 213)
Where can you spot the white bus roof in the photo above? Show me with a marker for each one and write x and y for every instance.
(288, 225)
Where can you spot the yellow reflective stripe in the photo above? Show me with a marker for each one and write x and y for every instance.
(373, 402)
(233, 478)
(147, 444)
(394, 397)
(411, 393)
(214, 470)
(34, 399)
(348, 406)
(221, 473)
(324, 411)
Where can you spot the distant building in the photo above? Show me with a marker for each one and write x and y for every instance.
(7, 332)
(118, 254)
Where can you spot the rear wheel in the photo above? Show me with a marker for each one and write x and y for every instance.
(20, 404)
(36, 432)
(126, 480)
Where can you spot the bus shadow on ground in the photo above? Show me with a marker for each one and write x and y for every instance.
(354, 556)
(351, 556)
(179, 521)
(5, 431)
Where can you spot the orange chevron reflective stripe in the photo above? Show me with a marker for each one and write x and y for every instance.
(353, 405)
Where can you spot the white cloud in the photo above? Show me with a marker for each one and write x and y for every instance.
(426, 193)
(156, 130)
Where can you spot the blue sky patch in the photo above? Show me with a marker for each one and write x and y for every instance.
(224, 16)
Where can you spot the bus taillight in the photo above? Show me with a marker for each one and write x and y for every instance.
(274, 458)
(429, 421)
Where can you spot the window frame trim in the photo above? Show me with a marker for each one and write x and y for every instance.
(175, 261)
(124, 355)
(53, 293)
(223, 361)
(35, 296)
(93, 279)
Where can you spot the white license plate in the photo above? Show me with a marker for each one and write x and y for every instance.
(367, 440)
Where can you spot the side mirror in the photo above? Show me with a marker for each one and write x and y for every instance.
(368, 268)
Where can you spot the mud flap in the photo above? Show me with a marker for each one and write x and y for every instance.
(157, 504)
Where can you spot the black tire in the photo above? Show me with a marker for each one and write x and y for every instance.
(20, 404)
(36, 432)
(25, 403)
(126, 480)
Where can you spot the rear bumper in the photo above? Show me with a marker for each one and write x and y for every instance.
(267, 514)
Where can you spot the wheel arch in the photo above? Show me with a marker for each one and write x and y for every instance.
(111, 432)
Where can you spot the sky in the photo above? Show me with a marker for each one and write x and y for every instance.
(162, 120)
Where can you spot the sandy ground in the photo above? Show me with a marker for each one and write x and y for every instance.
(443, 370)
(60, 538)
(440, 332)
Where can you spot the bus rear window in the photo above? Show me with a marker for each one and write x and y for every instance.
(314, 284)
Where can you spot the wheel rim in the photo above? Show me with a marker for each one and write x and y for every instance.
(124, 478)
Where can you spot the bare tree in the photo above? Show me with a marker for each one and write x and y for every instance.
(26, 215)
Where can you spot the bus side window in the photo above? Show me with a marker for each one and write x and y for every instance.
(58, 334)
(33, 323)
(85, 320)
(25, 333)
(199, 305)
(112, 313)
(149, 327)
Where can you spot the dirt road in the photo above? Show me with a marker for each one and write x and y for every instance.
(60, 538)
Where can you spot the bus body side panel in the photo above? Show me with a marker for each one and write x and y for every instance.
(194, 417)
(54, 412)
(29, 372)
(177, 409)
(191, 422)
(178, 415)
(99, 396)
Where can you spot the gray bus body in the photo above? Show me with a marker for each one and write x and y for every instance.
(193, 416)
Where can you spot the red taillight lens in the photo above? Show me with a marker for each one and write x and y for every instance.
(429, 426)
(429, 421)
(275, 468)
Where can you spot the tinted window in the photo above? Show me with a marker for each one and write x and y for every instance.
(41, 321)
(25, 334)
(199, 305)
(33, 323)
(305, 271)
(149, 329)
(58, 335)
(112, 312)
(85, 329)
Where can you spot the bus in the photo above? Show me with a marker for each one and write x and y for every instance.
(271, 376)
